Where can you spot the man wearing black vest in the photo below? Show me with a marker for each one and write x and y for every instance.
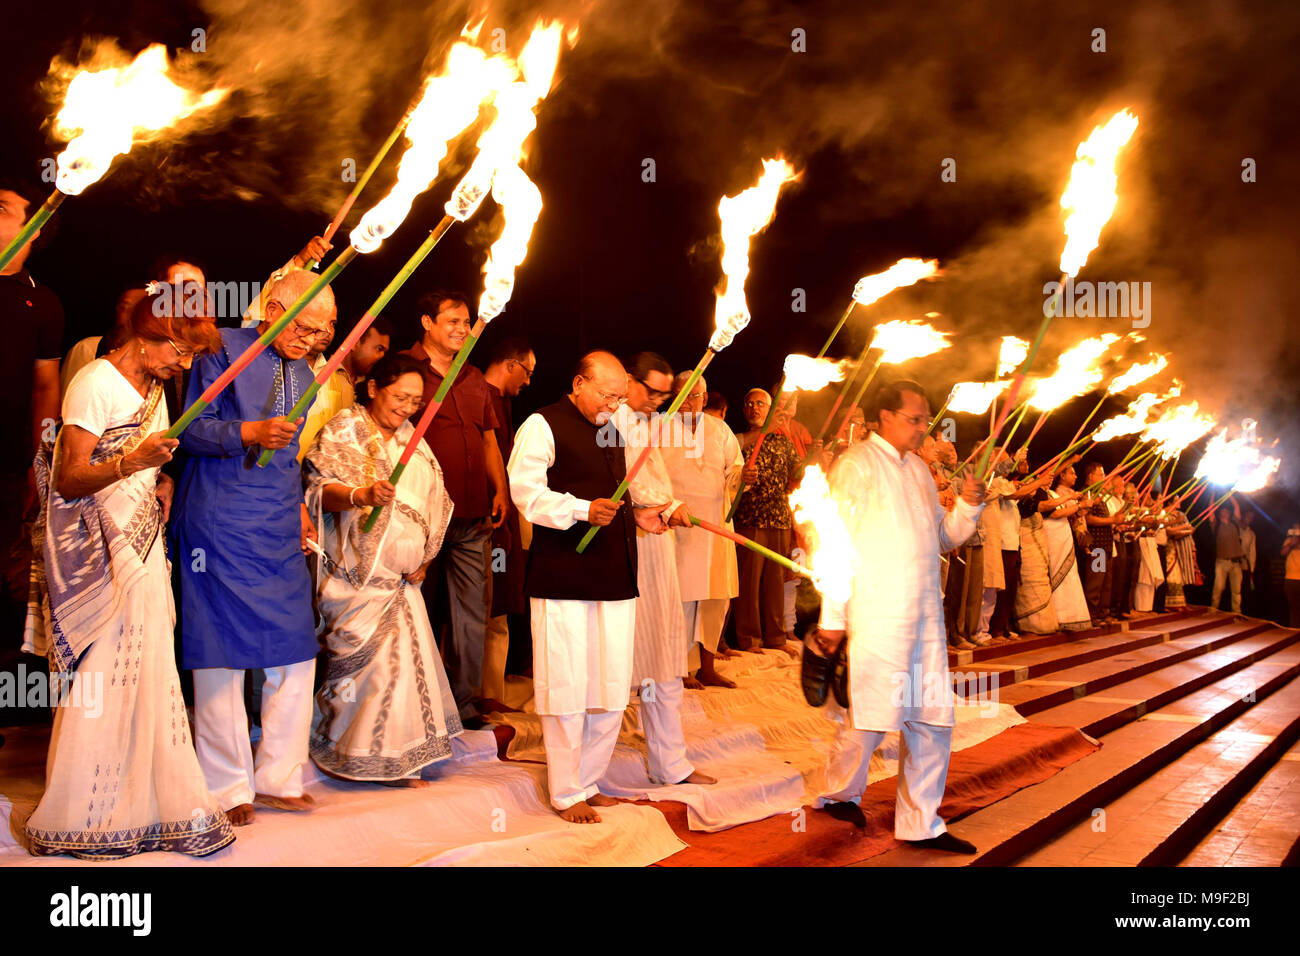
(583, 606)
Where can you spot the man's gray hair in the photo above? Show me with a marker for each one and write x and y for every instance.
(293, 284)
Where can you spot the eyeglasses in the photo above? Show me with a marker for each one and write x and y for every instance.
(179, 351)
(528, 371)
(916, 421)
(653, 392)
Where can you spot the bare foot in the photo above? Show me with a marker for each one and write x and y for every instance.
(600, 800)
(240, 816)
(303, 804)
(714, 679)
(753, 649)
(580, 812)
(692, 683)
(703, 779)
(411, 783)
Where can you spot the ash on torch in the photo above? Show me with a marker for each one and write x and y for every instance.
(258, 347)
(362, 325)
(637, 465)
(31, 227)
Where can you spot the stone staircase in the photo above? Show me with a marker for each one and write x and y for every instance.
(1198, 713)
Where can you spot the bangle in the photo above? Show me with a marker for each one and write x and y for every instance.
(117, 465)
(352, 497)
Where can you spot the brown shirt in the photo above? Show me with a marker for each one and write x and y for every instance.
(456, 434)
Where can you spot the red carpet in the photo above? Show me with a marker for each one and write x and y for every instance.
(1018, 757)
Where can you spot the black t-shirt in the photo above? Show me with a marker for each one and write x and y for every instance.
(31, 321)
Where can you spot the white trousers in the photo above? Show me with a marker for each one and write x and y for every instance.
(923, 755)
(789, 592)
(989, 602)
(665, 741)
(578, 749)
(221, 732)
(1227, 572)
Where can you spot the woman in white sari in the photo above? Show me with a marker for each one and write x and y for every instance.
(386, 710)
(1058, 506)
(122, 776)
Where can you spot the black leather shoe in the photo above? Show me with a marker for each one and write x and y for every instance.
(815, 673)
(847, 812)
(840, 682)
(945, 841)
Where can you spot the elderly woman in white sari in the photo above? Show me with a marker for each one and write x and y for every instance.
(122, 777)
(1057, 507)
(386, 710)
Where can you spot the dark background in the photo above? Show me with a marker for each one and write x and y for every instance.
(884, 93)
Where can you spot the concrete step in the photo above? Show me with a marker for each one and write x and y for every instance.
(1155, 822)
(1099, 714)
(1009, 648)
(1263, 827)
(1109, 655)
(1037, 694)
(1175, 715)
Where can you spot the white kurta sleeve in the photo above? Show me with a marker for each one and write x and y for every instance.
(532, 455)
(957, 525)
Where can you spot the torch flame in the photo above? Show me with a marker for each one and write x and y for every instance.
(902, 340)
(1140, 372)
(449, 105)
(974, 398)
(1134, 418)
(1238, 462)
(1091, 194)
(1177, 428)
(831, 551)
(521, 201)
(1013, 352)
(1076, 373)
(743, 216)
(808, 374)
(105, 112)
(902, 273)
(502, 143)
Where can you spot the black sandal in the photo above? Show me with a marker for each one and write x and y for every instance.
(840, 682)
(815, 674)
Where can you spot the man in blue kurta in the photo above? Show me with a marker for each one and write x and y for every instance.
(241, 533)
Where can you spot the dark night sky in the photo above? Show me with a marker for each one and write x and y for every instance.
(884, 93)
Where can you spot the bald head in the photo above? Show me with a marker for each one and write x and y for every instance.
(599, 385)
(757, 403)
(694, 402)
(300, 335)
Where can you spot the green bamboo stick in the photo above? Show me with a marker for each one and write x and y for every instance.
(645, 452)
(30, 227)
(256, 348)
(362, 325)
(751, 545)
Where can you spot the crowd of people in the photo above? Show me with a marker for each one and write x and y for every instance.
(372, 650)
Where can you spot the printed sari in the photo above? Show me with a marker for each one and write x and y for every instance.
(386, 709)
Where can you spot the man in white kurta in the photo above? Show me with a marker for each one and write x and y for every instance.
(897, 651)
(661, 644)
(583, 606)
(705, 472)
